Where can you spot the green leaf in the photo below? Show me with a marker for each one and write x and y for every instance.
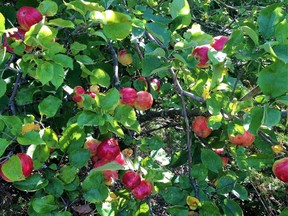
(214, 122)
(154, 143)
(240, 192)
(50, 138)
(62, 23)
(178, 158)
(232, 208)
(180, 12)
(251, 33)
(253, 119)
(55, 187)
(44, 204)
(31, 137)
(109, 166)
(260, 161)
(110, 100)
(216, 102)
(58, 76)
(72, 138)
(32, 183)
(268, 19)
(79, 157)
(83, 6)
(209, 208)
(211, 160)
(284, 212)
(177, 210)
(152, 65)
(283, 100)
(89, 118)
(281, 32)
(48, 8)
(280, 51)
(68, 174)
(84, 59)
(25, 95)
(106, 209)
(16, 173)
(126, 115)
(199, 171)
(3, 87)
(63, 60)
(49, 106)
(160, 31)
(2, 24)
(272, 117)
(40, 155)
(76, 47)
(117, 25)
(3, 145)
(225, 184)
(100, 77)
(13, 123)
(174, 195)
(94, 187)
(45, 72)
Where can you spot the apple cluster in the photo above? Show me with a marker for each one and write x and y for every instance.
(26, 165)
(78, 91)
(140, 188)
(141, 100)
(26, 17)
(201, 52)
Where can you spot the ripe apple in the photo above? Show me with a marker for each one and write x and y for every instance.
(143, 190)
(26, 164)
(219, 151)
(124, 57)
(78, 90)
(109, 175)
(92, 144)
(108, 150)
(144, 101)
(219, 42)
(128, 96)
(201, 54)
(120, 159)
(200, 127)
(28, 16)
(77, 98)
(155, 84)
(18, 35)
(245, 139)
(131, 180)
(224, 160)
(280, 169)
(92, 95)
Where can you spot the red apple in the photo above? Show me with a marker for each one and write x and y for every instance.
(26, 164)
(155, 84)
(92, 144)
(245, 139)
(219, 42)
(200, 127)
(92, 95)
(280, 169)
(78, 90)
(108, 150)
(131, 180)
(144, 101)
(128, 96)
(109, 175)
(224, 160)
(18, 35)
(28, 16)
(143, 190)
(120, 159)
(201, 54)
(219, 151)
(124, 57)
(77, 98)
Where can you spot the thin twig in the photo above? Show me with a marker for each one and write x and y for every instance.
(115, 66)
(251, 93)
(235, 85)
(137, 48)
(13, 95)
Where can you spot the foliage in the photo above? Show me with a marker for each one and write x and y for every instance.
(76, 44)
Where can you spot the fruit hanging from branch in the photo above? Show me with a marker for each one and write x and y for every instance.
(280, 169)
(245, 139)
(200, 127)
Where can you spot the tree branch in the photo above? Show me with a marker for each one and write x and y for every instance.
(115, 66)
(11, 104)
(251, 93)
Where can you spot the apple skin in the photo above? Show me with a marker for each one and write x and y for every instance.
(143, 190)
(245, 139)
(77, 98)
(131, 180)
(94, 89)
(18, 35)
(28, 16)
(108, 150)
(219, 42)
(128, 96)
(26, 163)
(155, 84)
(219, 151)
(78, 90)
(200, 127)
(144, 101)
(201, 54)
(224, 161)
(120, 159)
(280, 169)
(92, 144)
(124, 57)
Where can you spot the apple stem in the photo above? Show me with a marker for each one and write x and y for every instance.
(115, 66)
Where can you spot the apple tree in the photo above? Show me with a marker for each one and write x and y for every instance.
(145, 107)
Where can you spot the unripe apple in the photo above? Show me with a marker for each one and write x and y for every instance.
(245, 139)
(109, 175)
(131, 180)
(18, 35)
(155, 84)
(108, 150)
(128, 96)
(201, 54)
(124, 57)
(277, 149)
(26, 164)
(280, 169)
(200, 127)
(219, 42)
(143, 190)
(94, 89)
(28, 16)
(78, 90)
(92, 144)
(144, 101)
